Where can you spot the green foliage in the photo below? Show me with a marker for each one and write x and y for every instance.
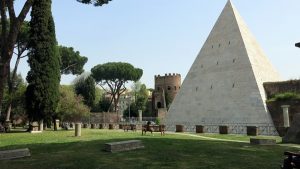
(157, 121)
(285, 96)
(72, 61)
(17, 98)
(134, 111)
(95, 2)
(71, 106)
(42, 94)
(114, 75)
(85, 86)
(103, 105)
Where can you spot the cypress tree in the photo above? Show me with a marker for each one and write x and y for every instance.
(42, 94)
(87, 89)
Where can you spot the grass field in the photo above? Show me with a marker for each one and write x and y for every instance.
(61, 150)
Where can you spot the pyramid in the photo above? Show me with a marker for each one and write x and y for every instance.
(224, 86)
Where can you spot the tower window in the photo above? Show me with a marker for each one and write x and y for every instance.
(217, 63)
(211, 87)
(233, 85)
(158, 88)
(169, 87)
(233, 61)
(196, 89)
(212, 46)
(219, 44)
(229, 43)
(175, 88)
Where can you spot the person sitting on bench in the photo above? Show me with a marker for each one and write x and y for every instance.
(291, 161)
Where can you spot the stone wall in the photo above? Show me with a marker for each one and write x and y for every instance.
(104, 117)
(277, 112)
(273, 88)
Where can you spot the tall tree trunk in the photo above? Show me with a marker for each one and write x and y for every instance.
(11, 83)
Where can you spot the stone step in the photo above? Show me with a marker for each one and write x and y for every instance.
(12, 154)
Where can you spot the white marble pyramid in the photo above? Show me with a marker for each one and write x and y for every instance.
(224, 86)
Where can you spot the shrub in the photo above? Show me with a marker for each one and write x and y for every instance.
(285, 96)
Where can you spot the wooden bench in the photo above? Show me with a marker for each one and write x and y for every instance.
(291, 161)
(12, 154)
(123, 146)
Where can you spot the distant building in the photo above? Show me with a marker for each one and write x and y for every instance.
(165, 86)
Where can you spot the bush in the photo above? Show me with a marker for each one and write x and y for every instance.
(285, 96)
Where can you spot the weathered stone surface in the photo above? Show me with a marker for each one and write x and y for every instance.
(225, 82)
(257, 141)
(12, 154)
(293, 133)
(123, 146)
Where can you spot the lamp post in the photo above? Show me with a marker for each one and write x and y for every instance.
(297, 45)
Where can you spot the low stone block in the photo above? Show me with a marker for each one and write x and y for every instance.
(258, 141)
(252, 131)
(179, 128)
(101, 126)
(93, 126)
(123, 146)
(223, 129)
(110, 126)
(199, 129)
(13, 154)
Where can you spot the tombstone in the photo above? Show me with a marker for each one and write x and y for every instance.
(77, 129)
(293, 133)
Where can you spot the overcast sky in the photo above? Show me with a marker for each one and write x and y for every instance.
(165, 36)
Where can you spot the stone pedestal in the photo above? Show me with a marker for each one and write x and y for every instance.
(41, 125)
(140, 115)
(286, 118)
(56, 124)
(199, 129)
(77, 129)
(223, 129)
(34, 126)
(252, 130)
(179, 128)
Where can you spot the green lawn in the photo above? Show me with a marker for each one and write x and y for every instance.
(61, 150)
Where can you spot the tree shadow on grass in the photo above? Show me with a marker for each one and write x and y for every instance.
(159, 152)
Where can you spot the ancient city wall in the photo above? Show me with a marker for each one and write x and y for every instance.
(273, 88)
